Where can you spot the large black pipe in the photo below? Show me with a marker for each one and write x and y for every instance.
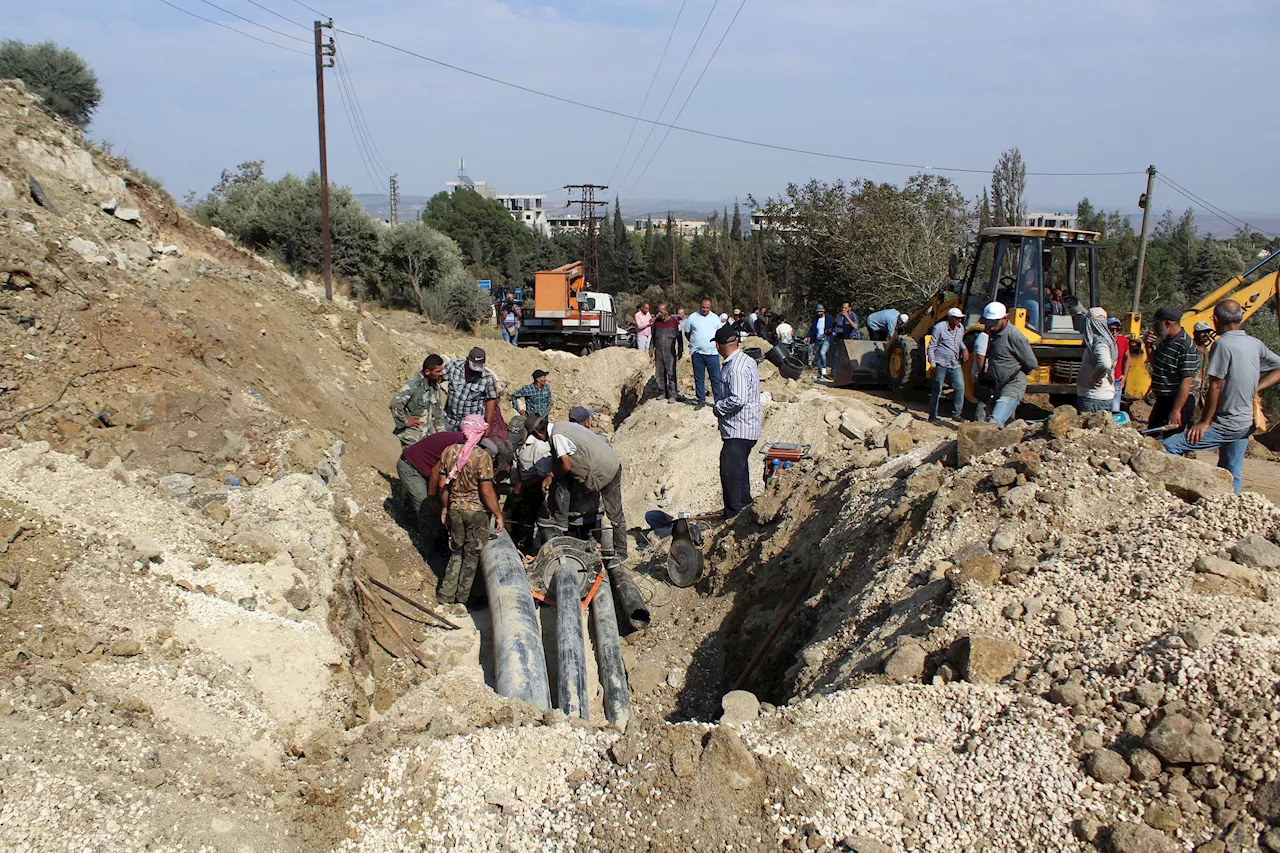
(634, 607)
(519, 662)
(571, 650)
(613, 672)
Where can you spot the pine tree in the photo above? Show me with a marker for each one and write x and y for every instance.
(736, 228)
(984, 211)
(622, 248)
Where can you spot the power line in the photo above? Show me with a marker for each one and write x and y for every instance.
(255, 23)
(345, 68)
(233, 29)
(278, 15)
(313, 11)
(710, 59)
(648, 91)
(375, 178)
(1222, 214)
(711, 135)
(674, 85)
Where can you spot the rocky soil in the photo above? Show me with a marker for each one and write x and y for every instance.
(1049, 637)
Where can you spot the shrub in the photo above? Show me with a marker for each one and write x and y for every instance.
(65, 81)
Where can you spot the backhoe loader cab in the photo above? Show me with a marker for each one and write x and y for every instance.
(1022, 267)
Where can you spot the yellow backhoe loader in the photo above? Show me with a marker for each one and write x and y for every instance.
(1251, 297)
(1015, 265)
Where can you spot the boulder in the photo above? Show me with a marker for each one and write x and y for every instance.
(975, 439)
(868, 457)
(1143, 765)
(185, 462)
(1019, 497)
(1107, 766)
(1162, 816)
(1207, 564)
(1198, 636)
(178, 485)
(1140, 838)
(1256, 551)
(1266, 803)
(125, 648)
(727, 761)
(861, 844)
(1178, 741)
(898, 441)
(739, 707)
(857, 424)
(988, 660)
(906, 663)
(127, 214)
(1189, 479)
(982, 569)
(925, 480)
(100, 456)
(1060, 421)
(81, 246)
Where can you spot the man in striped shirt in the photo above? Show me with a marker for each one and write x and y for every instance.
(1172, 362)
(737, 408)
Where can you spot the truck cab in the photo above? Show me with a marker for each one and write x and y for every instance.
(563, 314)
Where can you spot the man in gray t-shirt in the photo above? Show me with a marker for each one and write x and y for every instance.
(1239, 367)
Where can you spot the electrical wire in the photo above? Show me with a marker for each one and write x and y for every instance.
(674, 85)
(711, 135)
(647, 92)
(255, 23)
(278, 15)
(710, 59)
(345, 68)
(313, 11)
(1213, 208)
(233, 29)
(369, 169)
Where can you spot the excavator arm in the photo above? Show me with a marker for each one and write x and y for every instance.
(1251, 296)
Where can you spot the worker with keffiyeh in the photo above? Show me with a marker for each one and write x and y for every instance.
(464, 479)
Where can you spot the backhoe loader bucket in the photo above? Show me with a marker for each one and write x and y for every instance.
(860, 363)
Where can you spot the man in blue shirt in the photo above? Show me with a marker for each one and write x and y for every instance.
(701, 329)
(882, 324)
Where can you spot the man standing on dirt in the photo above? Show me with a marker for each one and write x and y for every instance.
(701, 329)
(585, 459)
(1122, 361)
(1172, 363)
(1095, 383)
(1240, 367)
(473, 390)
(417, 407)
(464, 479)
(739, 414)
(668, 346)
(818, 339)
(644, 327)
(946, 359)
(536, 396)
(509, 317)
(847, 327)
(1009, 362)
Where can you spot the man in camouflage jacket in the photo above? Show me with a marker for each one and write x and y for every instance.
(418, 407)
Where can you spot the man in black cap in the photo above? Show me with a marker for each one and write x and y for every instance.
(581, 416)
(473, 390)
(536, 396)
(737, 409)
(1172, 363)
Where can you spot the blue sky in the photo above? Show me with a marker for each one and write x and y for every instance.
(1085, 87)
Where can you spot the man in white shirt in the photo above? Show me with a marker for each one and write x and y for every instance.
(701, 328)
(786, 334)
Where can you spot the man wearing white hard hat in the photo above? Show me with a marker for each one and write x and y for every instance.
(1003, 381)
(946, 360)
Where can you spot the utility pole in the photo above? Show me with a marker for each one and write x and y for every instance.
(591, 243)
(1145, 204)
(324, 59)
(395, 201)
(672, 238)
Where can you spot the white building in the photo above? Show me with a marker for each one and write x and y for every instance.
(1051, 220)
(686, 228)
(565, 221)
(524, 208)
(527, 209)
(778, 218)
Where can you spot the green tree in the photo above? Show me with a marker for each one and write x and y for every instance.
(64, 80)
(622, 251)
(1009, 188)
(1217, 262)
(489, 237)
(283, 218)
(418, 259)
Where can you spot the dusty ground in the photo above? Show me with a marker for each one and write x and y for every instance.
(1015, 651)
